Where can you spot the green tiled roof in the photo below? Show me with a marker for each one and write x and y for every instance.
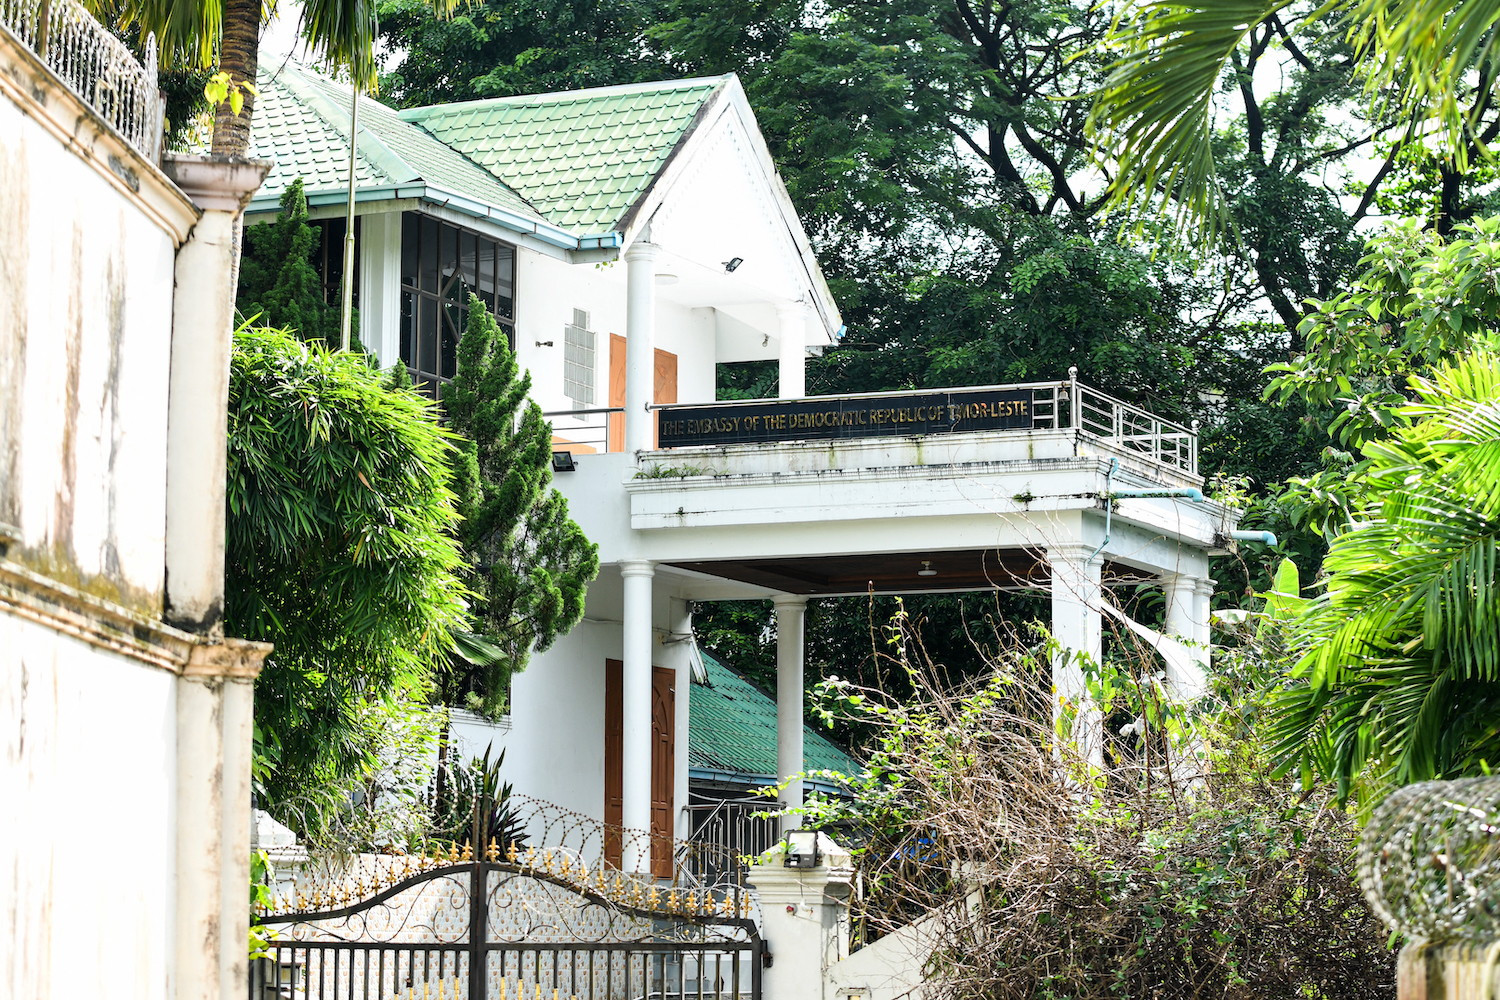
(302, 123)
(732, 728)
(583, 158)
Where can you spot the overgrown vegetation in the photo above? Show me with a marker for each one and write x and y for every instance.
(279, 286)
(1183, 867)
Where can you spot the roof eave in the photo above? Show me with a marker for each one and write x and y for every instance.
(434, 195)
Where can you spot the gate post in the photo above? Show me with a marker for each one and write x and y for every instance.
(804, 919)
(479, 908)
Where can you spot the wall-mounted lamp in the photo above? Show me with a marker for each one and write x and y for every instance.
(732, 263)
(802, 849)
(562, 461)
(927, 569)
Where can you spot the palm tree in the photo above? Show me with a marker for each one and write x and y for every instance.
(192, 32)
(1421, 60)
(1399, 677)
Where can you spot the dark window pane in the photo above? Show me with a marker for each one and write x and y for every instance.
(408, 319)
(510, 335)
(453, 325)
(486, 290)
(429, 254)
(448, 258)
(468, 255)
(504, 290)
(411, 248)
(427, 359)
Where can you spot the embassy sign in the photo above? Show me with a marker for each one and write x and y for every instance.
(886, 415)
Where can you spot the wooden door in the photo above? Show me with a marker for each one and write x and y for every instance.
(616, 391)
(664, 389)
(663, 763)
(614, 764)
(663, 769)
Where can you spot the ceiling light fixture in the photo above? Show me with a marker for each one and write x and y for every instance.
(666, 279)
(732, 263)
(927, 569)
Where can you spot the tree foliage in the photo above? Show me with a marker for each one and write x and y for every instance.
(1398, 678)
(279, 286)
(528, 563)
(339, 551)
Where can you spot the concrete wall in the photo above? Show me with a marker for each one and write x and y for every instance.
(86, 832)
(103, 771)
(87, 236)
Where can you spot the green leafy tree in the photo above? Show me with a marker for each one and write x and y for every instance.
(339, 551)
(1419, 300)
(1424, 70)
(1398, 678)
(525, 559)
(278, 282)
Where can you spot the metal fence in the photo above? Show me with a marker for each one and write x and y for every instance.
(724, 833)
(95, 65)
(371, 971)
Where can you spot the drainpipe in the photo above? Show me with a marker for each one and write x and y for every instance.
(1187, 493)
(1264, 537)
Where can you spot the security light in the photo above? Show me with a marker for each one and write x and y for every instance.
(562, 461)
(802, 849)
(732, 263)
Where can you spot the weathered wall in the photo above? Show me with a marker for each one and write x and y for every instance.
(86, 829)
(94, 869)
(87, 236)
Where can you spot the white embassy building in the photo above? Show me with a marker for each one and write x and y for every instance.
(631, 239)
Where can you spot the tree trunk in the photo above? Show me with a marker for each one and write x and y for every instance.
(238, 55)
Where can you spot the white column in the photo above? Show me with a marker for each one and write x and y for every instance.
(1180, 590)
(682, 630)
(1077, 596)
(200, 837)
(635, 748)
(198, 388)
(1203, 592)
(791, 612)
(792, 320)
(640, 343)
(380, 285)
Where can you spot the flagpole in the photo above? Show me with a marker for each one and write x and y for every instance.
(347, 312)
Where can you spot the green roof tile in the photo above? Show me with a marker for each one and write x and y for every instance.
(302, 123)
(550, 148)
(732, 727)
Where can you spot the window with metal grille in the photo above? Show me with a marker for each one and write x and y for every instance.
(578, 360)
(440, 266)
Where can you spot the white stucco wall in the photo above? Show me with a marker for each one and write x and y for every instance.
(85, 329)
(88, 873)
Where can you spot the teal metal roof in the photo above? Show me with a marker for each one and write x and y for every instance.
(732, 730)
(302, 123)
(583, 158)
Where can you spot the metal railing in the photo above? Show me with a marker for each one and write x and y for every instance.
(1056, 405)
(724, 833)
(95, 65)
(586, 431)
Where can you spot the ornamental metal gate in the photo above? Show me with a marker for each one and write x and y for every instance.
(537, 925)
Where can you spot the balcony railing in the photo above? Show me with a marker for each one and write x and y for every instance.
(1060, 405)
(95, 65)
